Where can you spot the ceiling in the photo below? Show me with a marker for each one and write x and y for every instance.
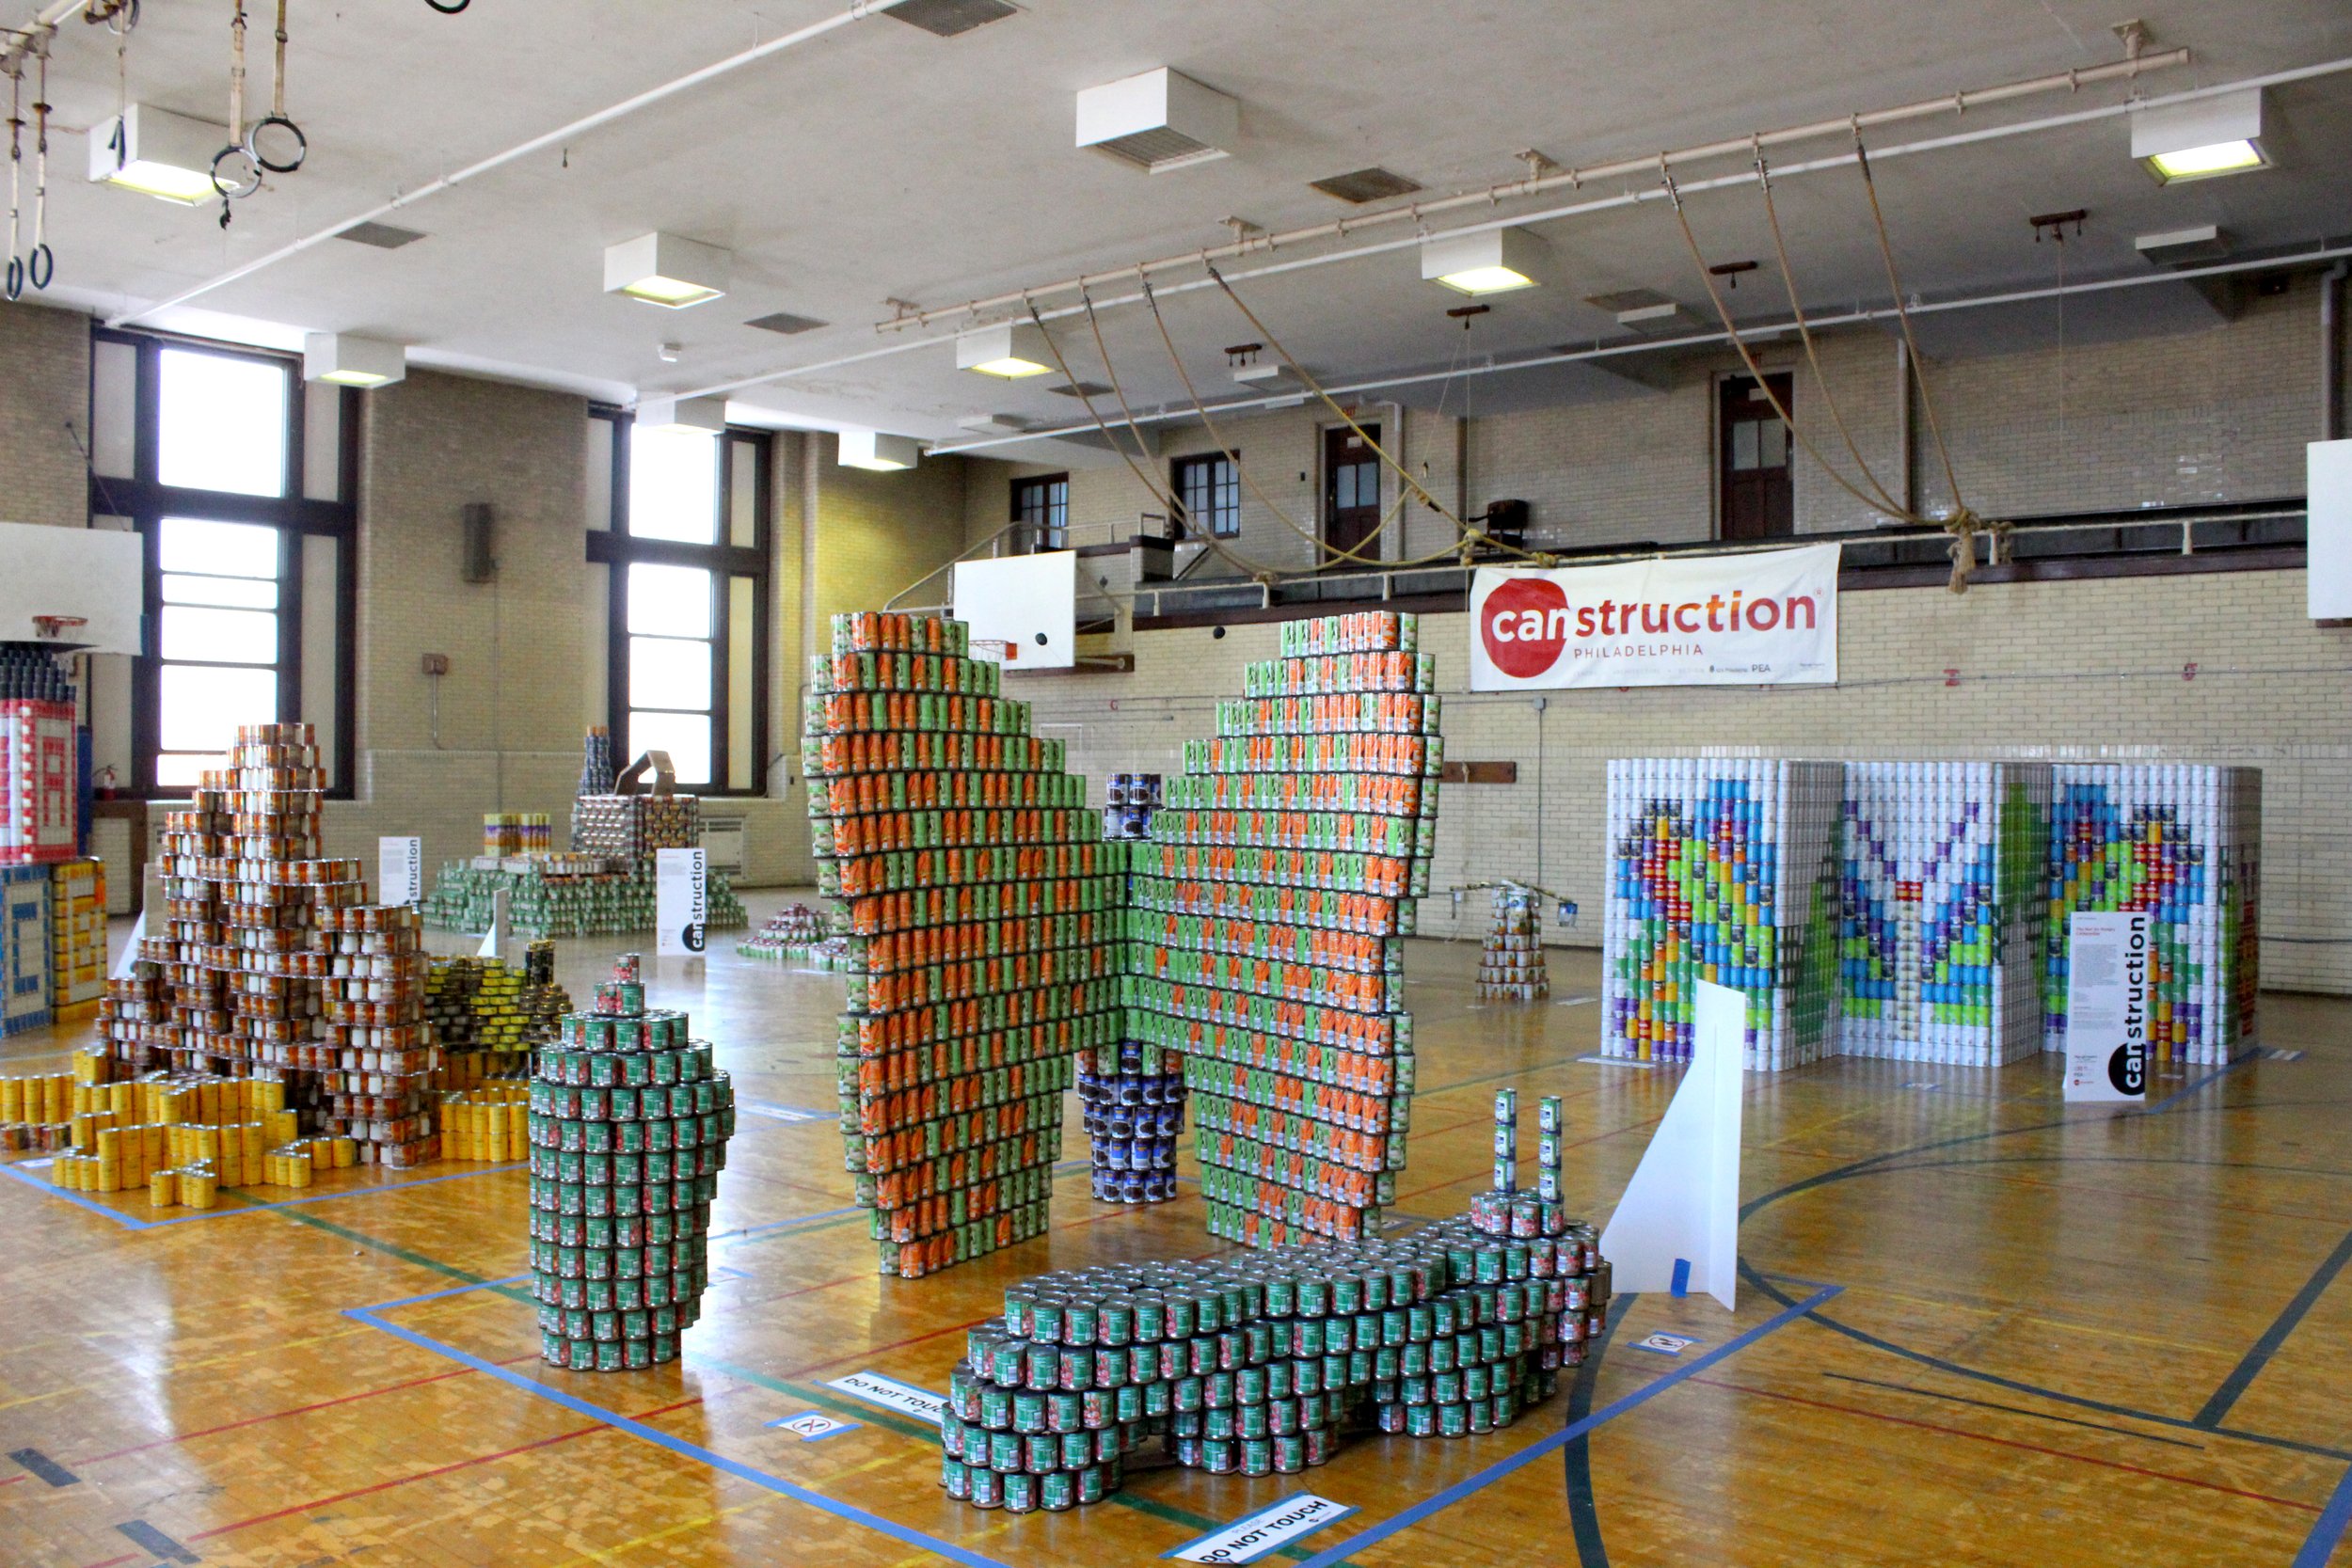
(881, 162)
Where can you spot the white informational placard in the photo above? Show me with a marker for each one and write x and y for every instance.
(400, 871)
(681, 910)
(1767, 618)
(1030, 603)
(2328, 566)
(891, 1394)
(96, 574)
(1682, 1206)
(1269, 1529)
(2108, 998)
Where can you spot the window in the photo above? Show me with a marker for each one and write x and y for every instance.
(1040, 511)
(1208, 491)
(684, 560)
(238, 478)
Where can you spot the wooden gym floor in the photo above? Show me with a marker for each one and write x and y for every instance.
(1975, 1328)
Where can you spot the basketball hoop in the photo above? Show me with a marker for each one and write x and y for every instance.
(51, 628)
(1001, 651)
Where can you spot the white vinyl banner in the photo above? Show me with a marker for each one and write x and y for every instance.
(679, 911)
(1763, 619)
(2107, 1005)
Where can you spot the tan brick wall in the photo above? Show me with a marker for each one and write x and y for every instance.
(2096, 670)
(44, 389)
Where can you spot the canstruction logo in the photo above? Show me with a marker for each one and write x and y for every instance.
(1763, 618)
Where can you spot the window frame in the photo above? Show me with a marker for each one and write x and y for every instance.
(614, 548)
(1180, 470)
(145, 501)
(1048, 535)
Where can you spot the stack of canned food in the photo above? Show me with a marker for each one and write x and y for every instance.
(1134, 1115)
(1257, 1363)
(629, 1123)
(1129, 802)
(1263, 940)
(1511, 964)
(979, 916)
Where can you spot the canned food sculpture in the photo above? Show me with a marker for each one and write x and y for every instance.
(1511, 963)
(1722, 869)
(2183, 844)
(629, 1123)
(1256, 1364)
(1945, 914)
(1265, 940)
(979, 904)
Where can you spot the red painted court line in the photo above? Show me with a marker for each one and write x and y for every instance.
(404, 1480)
(2012, 1443)
(274, 1415)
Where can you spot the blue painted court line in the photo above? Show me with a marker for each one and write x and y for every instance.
(453, 1291)
(2241, 1059)
(2321, 1544)
(2242, 1375)
(777, 1484)
(1558, 1440)
(132, 1222)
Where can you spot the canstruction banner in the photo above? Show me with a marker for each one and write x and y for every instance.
(1763, 619)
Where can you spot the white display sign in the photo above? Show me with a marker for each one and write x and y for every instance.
(2107, 1005)
(2328, 566)
(1682, 1206)
(1269, 1529)
(814, 1427)
(1763, 619)
(1023, 610)
(681, 910)
(399, 870)
(891, 1394)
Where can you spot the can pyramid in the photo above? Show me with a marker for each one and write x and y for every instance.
(978, 901)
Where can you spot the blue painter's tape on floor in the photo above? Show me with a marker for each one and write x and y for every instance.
(1681, 1285)
(2321, 1544)
(833, 1506)
(1558, 1440)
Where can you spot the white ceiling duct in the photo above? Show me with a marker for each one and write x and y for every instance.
(1159, 120)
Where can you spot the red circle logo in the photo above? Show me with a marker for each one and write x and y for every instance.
(1525, 624)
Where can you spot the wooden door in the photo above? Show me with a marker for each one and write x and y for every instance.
(1351, 490)
(1757, 496)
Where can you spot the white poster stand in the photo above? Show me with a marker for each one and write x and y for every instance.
(2106, 1008)
(131, 947)
(1677, 1226)
(494, 941)
(680, 912)
(399, 870)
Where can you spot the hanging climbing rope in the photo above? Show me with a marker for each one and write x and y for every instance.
(16, 166)
(275, 142)
(40, 265)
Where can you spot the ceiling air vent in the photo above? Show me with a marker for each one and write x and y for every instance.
(383, 236)
(1080, 389)
(948, 18)
(1158, 121)
(2180, 248)
(786, 323)
(1366, 184)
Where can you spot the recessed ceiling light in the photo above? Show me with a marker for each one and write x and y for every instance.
(345, 360)
(665, 270)
(1366, 184)
(2200, 139)
(700, 416)
(156, 152)
(786, 323)
(383, 236)
(868, 449)
(1158, 120)
(1010, 350)
(1491, 261)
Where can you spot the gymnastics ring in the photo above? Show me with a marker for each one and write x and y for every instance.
(449, 10)
(253, 144)
(231, 188)
(41, 267)
(16, 278)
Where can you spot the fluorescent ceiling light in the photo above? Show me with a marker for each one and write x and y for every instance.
(345, 360)
(156, 152)
(703, 415)
(1492, 261)
(1009, 349)
(2200, 139)
(663, 269)
(867, 449)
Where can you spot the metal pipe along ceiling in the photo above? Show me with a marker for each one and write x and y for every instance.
(1879, 155)
(626, 106)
